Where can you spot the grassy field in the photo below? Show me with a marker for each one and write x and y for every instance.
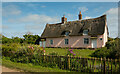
(85, 53)
(29, 67)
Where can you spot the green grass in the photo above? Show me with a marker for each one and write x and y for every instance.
(29, 67)
(85, 53)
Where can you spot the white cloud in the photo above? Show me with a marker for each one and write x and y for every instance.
(10, 10)
(83, 9)
(87, 17)
(33, 27)
(35, 18)
(34, 22)
(112, 11)
(112, 21)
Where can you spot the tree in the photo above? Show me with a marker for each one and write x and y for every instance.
(31, 39)
(6, 40)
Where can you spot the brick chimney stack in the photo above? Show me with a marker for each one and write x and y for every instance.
(64, 19)
(80, 16)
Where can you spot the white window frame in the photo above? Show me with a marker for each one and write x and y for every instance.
(51, 42)
(85, 41)
(85, 32)
(67, 33)
(66, 43)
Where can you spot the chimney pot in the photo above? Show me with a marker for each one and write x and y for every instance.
(64, 19)
(80, 16)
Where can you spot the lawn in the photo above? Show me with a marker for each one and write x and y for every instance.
(85, 53)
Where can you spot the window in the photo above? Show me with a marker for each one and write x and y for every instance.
(100, 38)
(66, 33)
(51, 42)
(85, 32)
(86, 41)
(66, 41)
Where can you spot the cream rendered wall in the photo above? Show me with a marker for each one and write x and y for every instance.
(74, 42)
(77, 41)
(105, 36)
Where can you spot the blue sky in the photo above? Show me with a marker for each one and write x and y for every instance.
(18, 18)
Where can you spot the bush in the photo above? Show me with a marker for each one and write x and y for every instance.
(8, 50)
(102, 52)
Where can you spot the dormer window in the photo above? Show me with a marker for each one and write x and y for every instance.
(85, 32)
(66, 33)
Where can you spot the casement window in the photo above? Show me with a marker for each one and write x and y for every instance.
(100, 38)
(51, 42)
(86, 40)
(66, 41)
(66, 33)
(85, 32)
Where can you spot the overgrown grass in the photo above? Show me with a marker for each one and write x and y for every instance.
(85, 53)
(29, 67)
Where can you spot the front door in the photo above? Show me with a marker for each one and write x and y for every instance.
(42, 43)
(94, 43)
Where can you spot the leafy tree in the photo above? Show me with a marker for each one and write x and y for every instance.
(17, 40)
(6, 40)
(31, 39)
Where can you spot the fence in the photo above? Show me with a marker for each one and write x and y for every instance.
(82, 64)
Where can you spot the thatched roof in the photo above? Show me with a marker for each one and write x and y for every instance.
(95, 26)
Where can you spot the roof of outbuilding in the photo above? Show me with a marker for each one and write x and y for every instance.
(95, 26)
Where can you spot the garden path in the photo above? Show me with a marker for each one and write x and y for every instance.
(5, 69)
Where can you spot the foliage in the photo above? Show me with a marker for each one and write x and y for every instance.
(112, 49)
(6, 40)
(8, 50)
(27, 54)
(102, 52)
(110, 39)
(70, 52)
(31, 39)
(29, 67)
(53, 53)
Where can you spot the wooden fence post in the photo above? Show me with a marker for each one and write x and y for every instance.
(80, 62)
(44, 56)
(108, 64)
(115, 65)
(90, 63)
(104, 65)
(68, 61)
(111, 65)
(119, 64)
(95, 65)
(101, 64)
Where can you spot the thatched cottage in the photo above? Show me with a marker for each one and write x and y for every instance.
(86, 33)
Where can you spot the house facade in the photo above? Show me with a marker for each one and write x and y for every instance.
(87, 33)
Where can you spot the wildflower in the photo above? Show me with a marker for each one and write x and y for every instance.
(70, 49)
(71, 52)
(44, 51)
(28, 46)
(74, 54)
(32, 47)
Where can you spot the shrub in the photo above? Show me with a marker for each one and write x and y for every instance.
(8, 50)
(102, 52)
